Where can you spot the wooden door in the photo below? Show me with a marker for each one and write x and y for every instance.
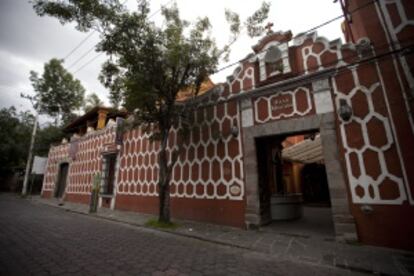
(61, 184)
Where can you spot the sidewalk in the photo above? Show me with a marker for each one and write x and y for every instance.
(296, 248)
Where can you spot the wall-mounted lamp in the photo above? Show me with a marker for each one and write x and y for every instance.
(234, 131)
(345, 111)
(366, 209)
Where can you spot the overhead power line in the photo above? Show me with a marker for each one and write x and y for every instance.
(83, 41)
(244, 59)
(80, 44)
(162, 6)
(88, 62)
(82, 56)
(98, 55)
(303, 33)
(297, 81)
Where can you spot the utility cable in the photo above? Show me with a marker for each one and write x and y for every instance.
(80, 44)
(98, 55)
(302, 33)
(335, 70)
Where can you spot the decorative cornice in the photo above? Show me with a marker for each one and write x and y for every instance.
(276, 36)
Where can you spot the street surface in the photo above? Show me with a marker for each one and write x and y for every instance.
(36, 239)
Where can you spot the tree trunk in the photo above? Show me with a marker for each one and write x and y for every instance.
(164, 180)
(164, 197)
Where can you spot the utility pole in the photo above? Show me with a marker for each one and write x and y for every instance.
(30, 157)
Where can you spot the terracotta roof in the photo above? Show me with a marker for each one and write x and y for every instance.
(205, 86)
(92, 114)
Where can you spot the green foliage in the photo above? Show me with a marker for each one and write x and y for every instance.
(45, 137)
(150, 65)
(254, 22)
(57, 91)
(91, 101)
(97, 178)
(88, 14)
(159, 224)
(111, 77)
(67, 118)
(15, 130)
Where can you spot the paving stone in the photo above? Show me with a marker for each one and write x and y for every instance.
(40, 239)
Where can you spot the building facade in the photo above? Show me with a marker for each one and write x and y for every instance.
(295, 100)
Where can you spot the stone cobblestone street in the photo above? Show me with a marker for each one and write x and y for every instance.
(41, 240)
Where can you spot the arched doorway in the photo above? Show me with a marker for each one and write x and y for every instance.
(257, 196)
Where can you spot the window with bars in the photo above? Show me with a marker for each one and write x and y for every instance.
(109, 174)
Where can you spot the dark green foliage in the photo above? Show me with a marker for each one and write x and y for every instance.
(91, 101)
(67, 118)
(45, 137)
(162, 225)
(57, 90)
(253, 23)
(149, 65)
(88, 14)
(15, 130)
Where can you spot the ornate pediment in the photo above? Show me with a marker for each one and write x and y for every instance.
(272, 52)
(279, 36)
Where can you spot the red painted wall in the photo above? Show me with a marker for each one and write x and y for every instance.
(376, 146)
(225, 212)
(388, 30)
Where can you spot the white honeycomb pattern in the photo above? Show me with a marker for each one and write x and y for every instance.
(210, 165)
(294, 110)
(138, 170)
(404, 25)
(405, 21)
(369, 185)
(88, 160)
(86, 163)
(241, 74)
(307, 52)
(57, 154)
(365, 181)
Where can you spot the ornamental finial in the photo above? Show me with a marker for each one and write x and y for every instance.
(269, 28)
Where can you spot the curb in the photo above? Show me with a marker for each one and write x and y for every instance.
(146, 227)
(112, 219)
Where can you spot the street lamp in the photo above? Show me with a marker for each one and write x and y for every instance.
(345, 111)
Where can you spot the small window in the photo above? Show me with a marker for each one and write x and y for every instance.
(273, 59)
(273, 54)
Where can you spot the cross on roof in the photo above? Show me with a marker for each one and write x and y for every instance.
(269, 27)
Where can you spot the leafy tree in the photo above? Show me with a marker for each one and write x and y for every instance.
(15, 132)
(149, 65)
(57, 92)
(91, 101)
(67, 118)
(47, 136)
(15, 129)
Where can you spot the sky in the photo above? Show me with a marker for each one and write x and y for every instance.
(27, 41)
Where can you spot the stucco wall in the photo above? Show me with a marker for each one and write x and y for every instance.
(374, 148)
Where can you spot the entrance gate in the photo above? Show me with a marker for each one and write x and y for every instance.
(325, 124)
